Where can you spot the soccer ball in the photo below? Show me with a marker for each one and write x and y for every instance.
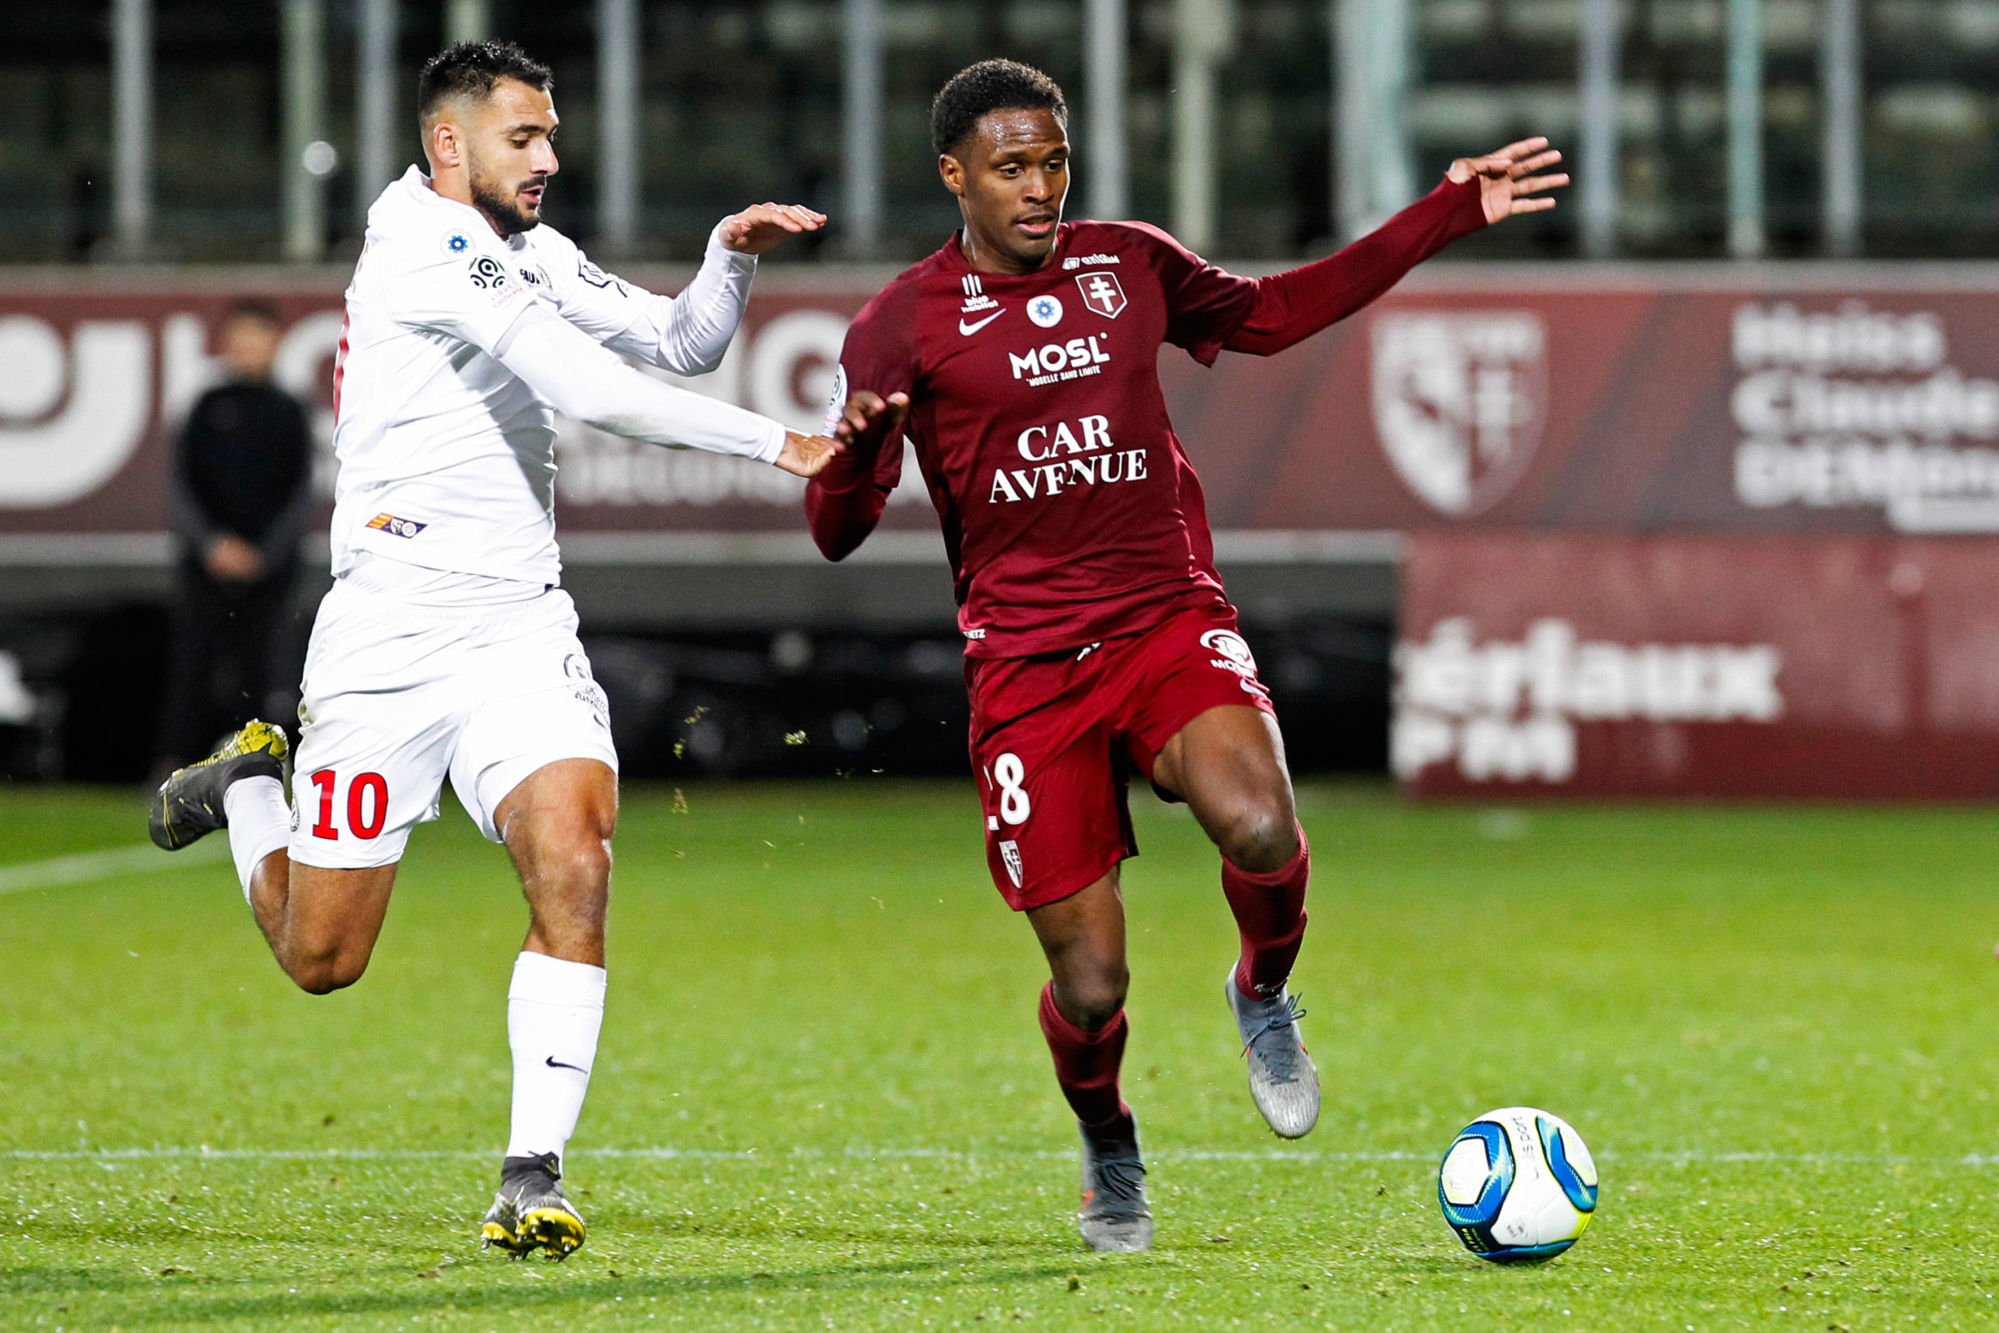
(1517, 1184)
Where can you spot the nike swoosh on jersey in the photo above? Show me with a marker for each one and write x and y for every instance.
(969, 329)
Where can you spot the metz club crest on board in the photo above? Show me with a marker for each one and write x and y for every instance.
(1459, 401)
(1102, 293)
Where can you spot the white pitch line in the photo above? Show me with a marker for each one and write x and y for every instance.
(88, 867)
(1274, 1155)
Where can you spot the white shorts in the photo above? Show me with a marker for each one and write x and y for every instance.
(398, 697)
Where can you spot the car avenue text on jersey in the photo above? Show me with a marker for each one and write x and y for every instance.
(1055, 448)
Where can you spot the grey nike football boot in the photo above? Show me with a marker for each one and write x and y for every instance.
(1282, 1079)
(188, 805)
(1114, 1216)
(531, 1210)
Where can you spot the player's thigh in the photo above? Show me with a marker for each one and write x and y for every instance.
(557, 825)
(1202, 726)
(1055, 810)
(1228, 765)
(538, 706)
(335, 915)
(367, 770)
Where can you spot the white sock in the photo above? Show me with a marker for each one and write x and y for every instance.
(554, 1011)
(259, 823)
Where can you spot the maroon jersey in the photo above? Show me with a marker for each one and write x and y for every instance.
(1070, 511)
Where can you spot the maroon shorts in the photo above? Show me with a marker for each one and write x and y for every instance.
(1056, 738)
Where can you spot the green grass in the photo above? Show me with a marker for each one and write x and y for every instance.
(822, 1101)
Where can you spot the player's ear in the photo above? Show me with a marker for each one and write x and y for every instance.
(953, 172)
(444, 148)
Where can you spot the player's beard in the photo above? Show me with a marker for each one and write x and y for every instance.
(501, 206)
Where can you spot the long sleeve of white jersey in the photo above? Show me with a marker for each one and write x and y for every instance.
(580, 379)
(686, 334)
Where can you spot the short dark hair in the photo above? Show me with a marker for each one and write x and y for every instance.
(473, 69)
(260, 308)
(990, 85)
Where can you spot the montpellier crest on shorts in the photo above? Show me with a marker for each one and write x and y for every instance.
(1102, 293)
(1459, 401)
(1010, 853)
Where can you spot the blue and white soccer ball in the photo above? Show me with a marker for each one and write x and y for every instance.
(1517, 1185)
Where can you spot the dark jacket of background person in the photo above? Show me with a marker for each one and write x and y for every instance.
(241, 489)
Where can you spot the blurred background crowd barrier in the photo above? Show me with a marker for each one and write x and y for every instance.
(1686, 488)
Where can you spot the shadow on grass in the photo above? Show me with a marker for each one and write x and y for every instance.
(211, 1305)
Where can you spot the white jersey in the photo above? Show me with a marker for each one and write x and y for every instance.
(446, 456)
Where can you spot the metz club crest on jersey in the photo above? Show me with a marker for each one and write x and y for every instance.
(1102, 293)
(1459, 401)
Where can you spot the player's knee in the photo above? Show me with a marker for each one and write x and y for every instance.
(324, 973)
(1093, 998)
(579, 866)
(1259, 835)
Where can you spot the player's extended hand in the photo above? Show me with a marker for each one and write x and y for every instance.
(869, 420)
(762, 227)
(1507, 176)
(807, 455)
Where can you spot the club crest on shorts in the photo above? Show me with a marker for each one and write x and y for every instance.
(1232, 652)
(1010, 853)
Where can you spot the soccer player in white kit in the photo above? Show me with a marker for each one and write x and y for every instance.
(445, 647)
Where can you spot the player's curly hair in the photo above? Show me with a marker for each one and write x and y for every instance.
(990, 85)
(472, 69)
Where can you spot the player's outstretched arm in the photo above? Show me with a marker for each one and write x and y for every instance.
(1507, 181)
(583, 381)
(1476, 192)
(860, 430)
(687, 334)
(844, 503)
(762, 227)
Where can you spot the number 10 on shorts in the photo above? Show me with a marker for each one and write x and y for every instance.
(1007, 775)
(367, 804)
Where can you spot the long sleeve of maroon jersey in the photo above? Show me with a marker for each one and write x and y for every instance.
(845, 501)
(843, 504)
(1293, 306)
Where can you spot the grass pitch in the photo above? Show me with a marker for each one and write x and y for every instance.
(821, 1099)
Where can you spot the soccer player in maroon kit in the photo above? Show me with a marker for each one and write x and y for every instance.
(1021, 361)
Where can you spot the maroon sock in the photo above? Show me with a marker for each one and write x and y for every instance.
(1270, 913)
(1086, 1063)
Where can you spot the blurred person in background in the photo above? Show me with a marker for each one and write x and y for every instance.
(241, 470)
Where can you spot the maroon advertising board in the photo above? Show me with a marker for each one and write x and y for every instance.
(1536, 664)
(1863, 402)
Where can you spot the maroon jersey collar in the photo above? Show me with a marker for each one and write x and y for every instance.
(954, 259)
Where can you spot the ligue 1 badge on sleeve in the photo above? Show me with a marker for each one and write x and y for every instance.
(1045, 311)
